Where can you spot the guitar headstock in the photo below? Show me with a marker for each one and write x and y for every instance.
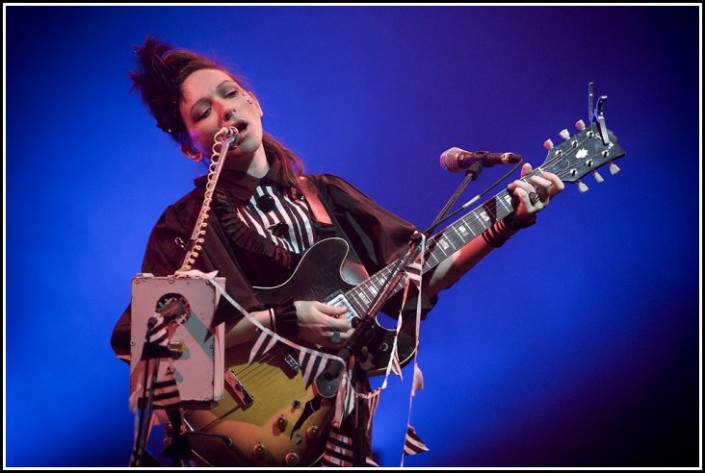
(588, 150)
(583, 153)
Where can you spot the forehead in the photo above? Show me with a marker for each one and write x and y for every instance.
(202, 83)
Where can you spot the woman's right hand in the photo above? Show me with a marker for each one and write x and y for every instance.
(323, 324)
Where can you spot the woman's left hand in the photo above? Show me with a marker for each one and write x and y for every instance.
(534, 195)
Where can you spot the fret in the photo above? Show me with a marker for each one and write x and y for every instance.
(506, 201)
(490, 212)
(466, 232)
(453, 239)
(445, 245)
(357, 304)
(431, 261)
(482, 219)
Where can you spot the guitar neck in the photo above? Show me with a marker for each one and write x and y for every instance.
(438, 248)
(442, 245)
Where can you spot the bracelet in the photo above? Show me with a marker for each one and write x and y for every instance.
(286, 321)
(502, 230)
(513, 222)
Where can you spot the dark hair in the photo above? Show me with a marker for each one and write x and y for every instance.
(162, 70)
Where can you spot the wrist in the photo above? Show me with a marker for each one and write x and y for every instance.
(514, 223)
(502, 230)
(285, 319)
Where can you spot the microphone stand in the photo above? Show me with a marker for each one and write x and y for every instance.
(328, 381)
(145, 411)
(470, 175)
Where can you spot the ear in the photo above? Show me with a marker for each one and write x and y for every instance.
(191, 153)
(255, 102)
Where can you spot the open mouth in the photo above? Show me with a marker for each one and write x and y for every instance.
(235, 132)
(240, 126)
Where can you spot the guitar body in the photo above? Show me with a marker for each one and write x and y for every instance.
(267, 416)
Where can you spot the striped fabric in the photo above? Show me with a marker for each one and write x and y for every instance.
(413, 443)
(264, 343)
(339, 450)
(312, 365)
(166, 392)
(287, 223)
(413, 271)
(155, 353)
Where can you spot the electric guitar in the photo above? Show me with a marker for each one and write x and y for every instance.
(267, 416)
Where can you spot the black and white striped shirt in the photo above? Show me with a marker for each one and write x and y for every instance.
(278, 217)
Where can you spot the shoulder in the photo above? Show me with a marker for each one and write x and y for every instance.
(181, 213)
(332, 185)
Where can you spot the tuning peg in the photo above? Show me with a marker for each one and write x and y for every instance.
(614, 169)
(582, 187)
(580, 125)
(597, 176)
(548, 144)
(565, 134)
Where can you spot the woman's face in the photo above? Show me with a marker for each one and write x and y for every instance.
(212, 100)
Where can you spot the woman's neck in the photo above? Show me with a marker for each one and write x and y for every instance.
(256, 166)
(259, 166)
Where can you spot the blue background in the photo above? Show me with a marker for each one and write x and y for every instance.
(577, 344)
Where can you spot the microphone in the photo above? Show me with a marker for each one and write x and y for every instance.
(230, 134)
(455, 159)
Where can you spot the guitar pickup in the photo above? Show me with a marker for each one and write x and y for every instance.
(338, 299)
(237, 390)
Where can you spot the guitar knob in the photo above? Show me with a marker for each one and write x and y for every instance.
(282, 423)
(258, 451)
(292, 459)
(614, 169)
(565, 134)
(548, 144)
(313, 432)
(580, 125)
(582, 187)
(598, 178)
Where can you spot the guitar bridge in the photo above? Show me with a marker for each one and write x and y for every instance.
(237, 390)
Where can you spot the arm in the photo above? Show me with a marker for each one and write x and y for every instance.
(450, 270)
(314, 322)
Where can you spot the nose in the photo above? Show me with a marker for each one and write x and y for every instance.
(229, 113)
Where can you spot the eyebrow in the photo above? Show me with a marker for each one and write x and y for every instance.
(205, 100)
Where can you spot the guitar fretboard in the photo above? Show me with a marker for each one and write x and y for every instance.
(438, 248)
